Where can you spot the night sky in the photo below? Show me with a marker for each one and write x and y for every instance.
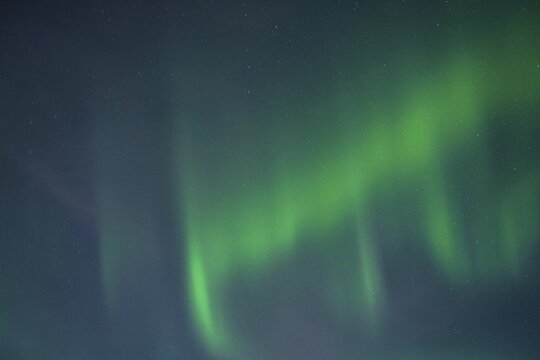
(270, 180)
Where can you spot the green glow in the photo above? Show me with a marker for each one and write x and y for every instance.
(446, 244)
(519, 215)
(370, 278)
(240, 221)
(199, 295)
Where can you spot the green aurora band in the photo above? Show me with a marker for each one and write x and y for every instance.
(245, 219)
(231, 231)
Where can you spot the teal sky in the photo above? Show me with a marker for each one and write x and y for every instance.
(276, 180)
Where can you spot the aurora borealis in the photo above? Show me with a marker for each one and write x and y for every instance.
(270, 180)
